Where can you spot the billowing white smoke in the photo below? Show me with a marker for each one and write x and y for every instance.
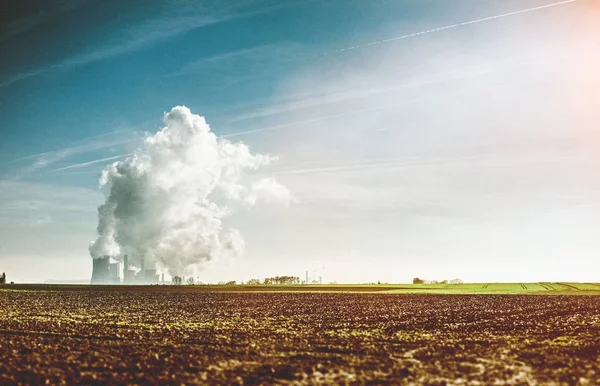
(161, 202)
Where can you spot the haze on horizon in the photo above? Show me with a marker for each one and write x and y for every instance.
(415, 137)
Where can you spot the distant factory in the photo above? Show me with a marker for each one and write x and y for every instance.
(106, 270)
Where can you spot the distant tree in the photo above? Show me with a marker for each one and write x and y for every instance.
(190, 280)
(416, 280)
(444, 282)
(177, 280)
(3, 278)
(456, 281)
(276, 280)
(233, 282)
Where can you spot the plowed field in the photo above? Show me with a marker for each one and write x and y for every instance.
(163, 337)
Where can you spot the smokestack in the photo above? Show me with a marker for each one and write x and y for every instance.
(125, 267)
(306, 282)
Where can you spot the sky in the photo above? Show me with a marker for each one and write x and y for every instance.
(431, 138)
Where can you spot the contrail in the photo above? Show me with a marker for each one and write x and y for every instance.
(84, 164)
(454, 26)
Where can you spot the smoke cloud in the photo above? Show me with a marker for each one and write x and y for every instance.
(166, 203)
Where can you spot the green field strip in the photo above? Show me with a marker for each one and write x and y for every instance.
(450, 289)
(545, 286)
(585, 286)
(570, 287)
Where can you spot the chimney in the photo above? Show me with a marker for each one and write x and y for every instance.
(306, 282)
(125, 267)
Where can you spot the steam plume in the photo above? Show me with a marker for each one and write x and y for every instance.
(166, 202)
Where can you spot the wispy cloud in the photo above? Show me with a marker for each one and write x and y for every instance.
(364, 92)
(43, 160)
(35, 197)
(44, 12)
(258, 62)
(500, 159)
(218, 59)
(438, 29)
(384, 106)
(305, 121)
(133, 39)
(150, 32)
(18, 77)
(36, 205)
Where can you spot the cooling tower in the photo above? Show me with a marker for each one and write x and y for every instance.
(101, 270)
(113, 273)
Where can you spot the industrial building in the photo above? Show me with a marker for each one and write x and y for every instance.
(106, 272)
(128, 274)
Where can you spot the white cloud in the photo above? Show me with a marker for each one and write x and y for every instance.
(268, 190)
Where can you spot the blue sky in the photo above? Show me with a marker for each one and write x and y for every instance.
(469, 151)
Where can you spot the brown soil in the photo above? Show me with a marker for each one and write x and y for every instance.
(163, 337)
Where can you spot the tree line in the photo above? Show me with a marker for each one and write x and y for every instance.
(416, 280)
(275, 280)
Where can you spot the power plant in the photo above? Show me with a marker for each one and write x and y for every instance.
(314, 278)
(106, 270)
